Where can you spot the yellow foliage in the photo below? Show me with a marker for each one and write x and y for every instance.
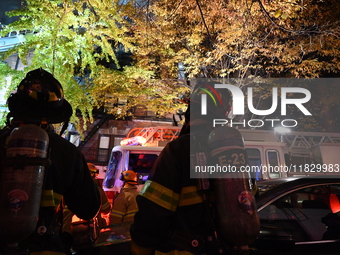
(241, 38)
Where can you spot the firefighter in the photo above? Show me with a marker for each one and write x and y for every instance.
(85, 233)
(39, 101)
(106, 205)
(104, 209)
(125, 206)
(175, 213)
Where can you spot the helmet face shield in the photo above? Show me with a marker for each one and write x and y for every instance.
(39, 97)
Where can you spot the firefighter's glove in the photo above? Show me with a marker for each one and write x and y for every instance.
(135, 249)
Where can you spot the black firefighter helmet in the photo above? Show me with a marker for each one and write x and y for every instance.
(39, 98)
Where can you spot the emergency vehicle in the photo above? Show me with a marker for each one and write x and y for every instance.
(271, 155)
(137, 152)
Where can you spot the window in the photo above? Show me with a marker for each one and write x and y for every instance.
(104, 148)
(112, 170)
(254, 157)
(142, 164)
(296, 162)
(304, 213)
(273, 162)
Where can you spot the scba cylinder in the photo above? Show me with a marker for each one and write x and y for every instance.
(237, 219)
(21, 182)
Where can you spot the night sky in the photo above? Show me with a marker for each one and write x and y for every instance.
(7, 5)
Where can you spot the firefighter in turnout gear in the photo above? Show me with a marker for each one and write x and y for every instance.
(176, 212)
(105, 204)
(86, 232)
(39, 102)
(125, 205)
(100, 221)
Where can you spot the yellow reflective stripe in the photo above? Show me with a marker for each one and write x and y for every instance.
(106, 206)
(160, 195)
(47, 198)
(47, 253)
(50, 198)
(130, 213)
(175, 252)
(129, 218)
(117, 213)
(57, 198)
(190, 196)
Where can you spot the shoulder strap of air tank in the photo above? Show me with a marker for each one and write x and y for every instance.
(48, 212)
(57, 221)
(204, 185)
(4, 133)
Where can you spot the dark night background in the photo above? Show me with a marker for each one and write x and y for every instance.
(7, 5)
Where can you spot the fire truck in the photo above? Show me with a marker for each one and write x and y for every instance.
(271, 155)
(137, 152)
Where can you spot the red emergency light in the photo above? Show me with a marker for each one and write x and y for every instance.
(334, 203)
(133, 141)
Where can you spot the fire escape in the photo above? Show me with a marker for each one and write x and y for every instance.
(93, 131)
